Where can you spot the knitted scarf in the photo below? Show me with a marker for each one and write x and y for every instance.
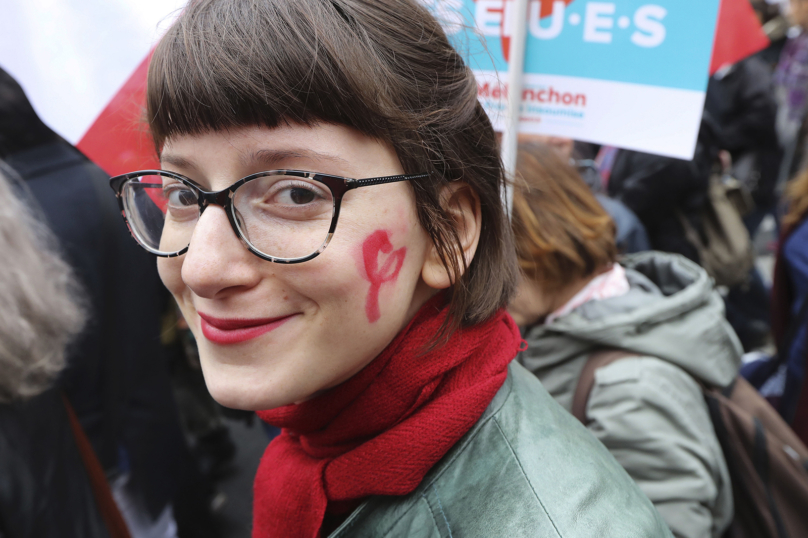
(381, 431)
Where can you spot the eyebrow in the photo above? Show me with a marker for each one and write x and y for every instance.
(271, 157)
(176, 160)
(268, 158)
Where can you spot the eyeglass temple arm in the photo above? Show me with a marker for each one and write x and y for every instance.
(356, 183)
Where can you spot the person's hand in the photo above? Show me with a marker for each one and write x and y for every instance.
(726, 160)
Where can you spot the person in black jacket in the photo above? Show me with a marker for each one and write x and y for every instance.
(117, 377)
(741, 99)
(662, 191)
(44, 488)
(657, 189)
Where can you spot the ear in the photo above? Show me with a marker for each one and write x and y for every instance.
(462, 204)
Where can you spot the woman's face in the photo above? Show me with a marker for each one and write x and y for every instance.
(318, 322)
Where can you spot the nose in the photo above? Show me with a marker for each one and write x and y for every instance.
(217, 262)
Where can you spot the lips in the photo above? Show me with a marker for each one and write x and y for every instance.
(237, 330)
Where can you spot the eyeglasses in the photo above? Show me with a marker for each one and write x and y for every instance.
(282, 216)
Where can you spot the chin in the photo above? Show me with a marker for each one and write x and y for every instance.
(243, 388)
(236, 391)
(237, 400)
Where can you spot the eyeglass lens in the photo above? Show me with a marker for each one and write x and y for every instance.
(280, 216)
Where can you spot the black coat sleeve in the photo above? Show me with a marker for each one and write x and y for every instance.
(651, 185)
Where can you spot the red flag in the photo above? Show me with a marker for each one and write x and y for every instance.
(738, 34)
(118, 140)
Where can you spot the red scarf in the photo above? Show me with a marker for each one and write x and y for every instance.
(381, 431)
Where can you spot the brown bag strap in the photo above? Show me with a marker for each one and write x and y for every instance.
(586, 380)
(107, 506)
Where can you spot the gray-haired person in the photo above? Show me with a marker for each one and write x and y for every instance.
(44, 488)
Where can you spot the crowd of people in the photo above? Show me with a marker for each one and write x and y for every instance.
(334, 254)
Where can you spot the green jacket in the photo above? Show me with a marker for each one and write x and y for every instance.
(526, 469)
(649, 410)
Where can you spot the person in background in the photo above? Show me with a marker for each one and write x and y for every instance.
(791, 91)
(44, 488)
(775, 26)
(659, 189)
(665, 192)
(658, 309)
(329, 220)
(631, 235)
(740, 98)
(787, 389)
(116, 377)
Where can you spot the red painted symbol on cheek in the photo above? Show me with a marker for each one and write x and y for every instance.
(379, 242)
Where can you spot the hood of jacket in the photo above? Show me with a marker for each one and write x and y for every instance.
(671, 312)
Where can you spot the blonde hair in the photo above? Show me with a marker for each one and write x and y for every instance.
(40, 306)
(561, 231)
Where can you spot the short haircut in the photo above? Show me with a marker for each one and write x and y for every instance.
(383, 67)
(561, 231)
(41, 309)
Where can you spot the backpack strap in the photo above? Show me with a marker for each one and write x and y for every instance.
(107, 507)
(586, 380)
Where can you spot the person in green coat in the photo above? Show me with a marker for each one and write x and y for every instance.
(660, 311)
(328, 218)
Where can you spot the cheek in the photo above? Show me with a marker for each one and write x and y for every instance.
(170, 270)
(370, 271)
(380, 264)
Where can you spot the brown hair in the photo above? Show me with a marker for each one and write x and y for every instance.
(561, 231)
(797, 198)
(383, 67)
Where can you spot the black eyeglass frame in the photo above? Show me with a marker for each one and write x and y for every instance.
(336, 184)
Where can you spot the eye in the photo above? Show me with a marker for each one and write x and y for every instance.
(283, 197)
(301, 196)
(179, 196)
(296, 194)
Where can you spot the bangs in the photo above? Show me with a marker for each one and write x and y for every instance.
(227, 64)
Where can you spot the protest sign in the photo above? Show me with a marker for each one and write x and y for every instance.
(628, 73)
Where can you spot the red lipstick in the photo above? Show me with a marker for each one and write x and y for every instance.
(237, 330)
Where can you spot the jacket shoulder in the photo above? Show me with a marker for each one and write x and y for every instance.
(44, 488)
(578, 481)
(527, 468)
(652, 416)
